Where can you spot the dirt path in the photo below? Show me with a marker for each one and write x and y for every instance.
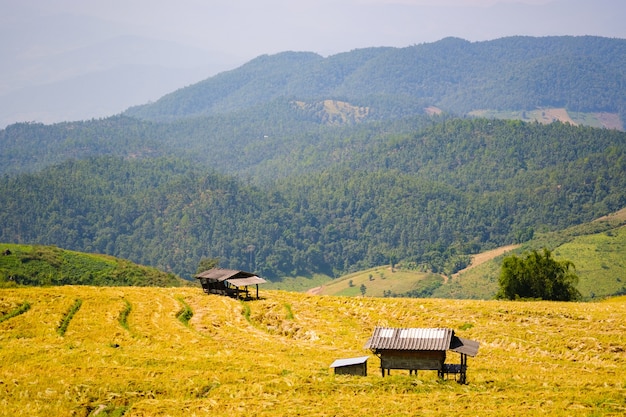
(315, 291)
(486, 256)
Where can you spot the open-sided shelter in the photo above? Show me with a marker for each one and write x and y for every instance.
(230, 282)
(416, 349)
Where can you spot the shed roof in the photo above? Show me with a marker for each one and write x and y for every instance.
(244, 282)
(349, 361)
(465, 346)
(220, 274)
(387, 338)
(439, 339)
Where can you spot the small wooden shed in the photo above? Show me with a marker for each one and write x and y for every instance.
(230, 282)
(416, 349)
(351, 366)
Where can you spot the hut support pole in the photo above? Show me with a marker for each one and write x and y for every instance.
(462, 377)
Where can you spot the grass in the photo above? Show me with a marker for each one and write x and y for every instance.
(23, 308)
(185, 313)
(379, 282)
(67, 318)
(535, 358)
(298, 284)
(123, 319)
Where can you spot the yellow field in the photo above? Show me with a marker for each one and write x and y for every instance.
(271, 357)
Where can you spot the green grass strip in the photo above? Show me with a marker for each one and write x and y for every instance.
(185, 313)
(68, 317)
(289, 315)
(123, 318)
(245, 311)
(20, 310)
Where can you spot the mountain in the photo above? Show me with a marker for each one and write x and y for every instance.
(428, 197)
(579, 74)
(268, 168)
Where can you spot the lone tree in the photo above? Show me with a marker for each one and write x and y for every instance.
(538, 275)
(206, 264)
(363, 289)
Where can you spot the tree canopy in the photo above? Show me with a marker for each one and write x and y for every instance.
(538, 275)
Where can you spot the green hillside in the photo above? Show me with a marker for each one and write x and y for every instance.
(597, 249)
(124, 352)
(36, 265)
(427, 196)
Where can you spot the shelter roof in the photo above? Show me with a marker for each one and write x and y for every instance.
(244, 282)
(437, 339)
(349, 361)
(387, 338)
(465, 346)
(220, 274)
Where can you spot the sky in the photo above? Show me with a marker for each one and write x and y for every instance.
(248, 28)
(69, 46)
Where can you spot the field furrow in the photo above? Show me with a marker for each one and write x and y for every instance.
(270, 357)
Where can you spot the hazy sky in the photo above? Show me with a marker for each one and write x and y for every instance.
(247, 28)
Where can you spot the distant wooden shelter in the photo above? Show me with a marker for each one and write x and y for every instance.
(416, 349)
(351, 366)
(229, 282)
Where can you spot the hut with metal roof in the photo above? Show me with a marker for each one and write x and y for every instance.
(229, 282)
(416, 349)
(351, 366)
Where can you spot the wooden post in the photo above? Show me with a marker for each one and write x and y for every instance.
(462, 377)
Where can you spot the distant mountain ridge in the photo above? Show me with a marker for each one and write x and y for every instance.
(580, 74)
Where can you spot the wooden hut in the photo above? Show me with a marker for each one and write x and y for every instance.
(230, 282)
(416, 349)
(351, 366)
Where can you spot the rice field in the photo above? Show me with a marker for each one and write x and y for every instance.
(178, 352)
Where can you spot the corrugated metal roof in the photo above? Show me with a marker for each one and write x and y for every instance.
(386, 338)
(465, 346)
(219, 274)
(244, 282)
(349, 361)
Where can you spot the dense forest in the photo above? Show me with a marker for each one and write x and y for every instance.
(295, 164)
(426, 199)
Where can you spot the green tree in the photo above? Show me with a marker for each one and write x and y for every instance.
(206, 264)
(363, 289)
(538, 275)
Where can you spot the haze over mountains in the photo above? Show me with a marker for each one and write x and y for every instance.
(580, 74)
(73, 60)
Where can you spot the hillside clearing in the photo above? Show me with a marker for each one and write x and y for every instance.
(271, 357)
(550, 115)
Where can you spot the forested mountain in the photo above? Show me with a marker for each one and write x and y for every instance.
(426, 198)
(581, 74)
(296, 164)
(250, 120)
